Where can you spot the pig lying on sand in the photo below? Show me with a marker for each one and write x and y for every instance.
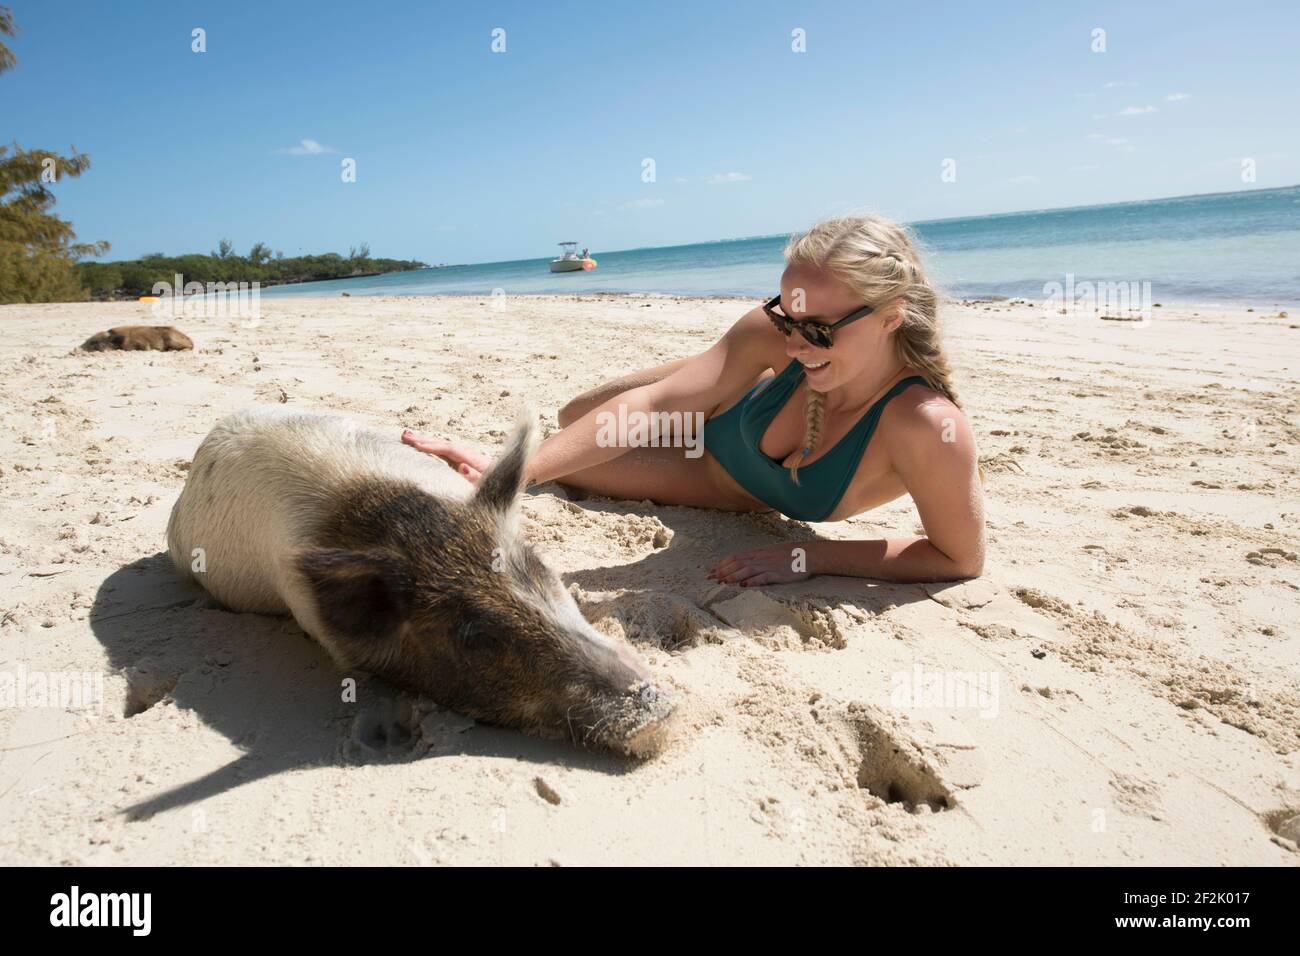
(399, 567)
(139, 338)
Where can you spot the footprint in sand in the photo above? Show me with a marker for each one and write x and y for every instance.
(918, 766)
(1285, 823)
(145, 688)
(384, 727)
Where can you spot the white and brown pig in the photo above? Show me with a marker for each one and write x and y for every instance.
(401, 568)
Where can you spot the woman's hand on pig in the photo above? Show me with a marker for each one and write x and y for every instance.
(468, 463)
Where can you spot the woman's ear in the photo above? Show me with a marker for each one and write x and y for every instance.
(892, 312)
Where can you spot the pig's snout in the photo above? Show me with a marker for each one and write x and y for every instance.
(635, 718)
(648, 696)
(655, 707)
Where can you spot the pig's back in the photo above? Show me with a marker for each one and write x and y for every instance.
(260, 484)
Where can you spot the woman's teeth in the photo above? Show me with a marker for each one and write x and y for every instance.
(813, 366)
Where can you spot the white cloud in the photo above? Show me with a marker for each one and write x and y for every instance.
(1022, 180)
(1175, 97)
(641, 204)
(1118, 83)
(1108, 140)
(307, 147)
(1135, 110)
(729, 178)
(1084, 168)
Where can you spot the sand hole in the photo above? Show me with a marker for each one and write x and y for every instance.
(385, 727)
(143, 690)
(1284, 822)
(896, 771)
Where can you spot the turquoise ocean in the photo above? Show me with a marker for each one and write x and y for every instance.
(1226, 247)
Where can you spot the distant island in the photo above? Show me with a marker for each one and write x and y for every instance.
(131, 278)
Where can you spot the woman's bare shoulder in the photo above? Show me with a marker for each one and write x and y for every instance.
(923, 421)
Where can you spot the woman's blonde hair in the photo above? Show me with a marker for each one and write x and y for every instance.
(878, 260)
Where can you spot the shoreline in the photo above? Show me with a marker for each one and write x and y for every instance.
(1023, 307)
(1243, 305)
(261, 284)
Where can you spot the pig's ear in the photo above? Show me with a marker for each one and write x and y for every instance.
(365, 595)
(501, 484)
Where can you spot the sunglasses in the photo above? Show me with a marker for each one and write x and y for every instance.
(816, 333)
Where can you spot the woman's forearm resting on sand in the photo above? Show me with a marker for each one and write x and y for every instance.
(890, 559)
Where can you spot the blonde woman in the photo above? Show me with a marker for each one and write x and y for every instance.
(829, 400)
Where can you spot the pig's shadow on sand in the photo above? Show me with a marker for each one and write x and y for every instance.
(275, 694)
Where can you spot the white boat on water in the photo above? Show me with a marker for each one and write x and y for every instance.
(570, 261)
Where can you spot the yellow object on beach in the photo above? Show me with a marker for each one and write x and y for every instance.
(148, 298)
(588, 265)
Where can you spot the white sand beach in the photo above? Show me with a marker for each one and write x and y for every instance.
(1121, 686)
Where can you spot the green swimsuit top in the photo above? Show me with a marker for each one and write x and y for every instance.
(732, 438)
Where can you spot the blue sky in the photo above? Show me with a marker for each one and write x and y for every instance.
(465, 155)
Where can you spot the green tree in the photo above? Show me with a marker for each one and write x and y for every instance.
(38, 250)
(7, 59)
(100, 278)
